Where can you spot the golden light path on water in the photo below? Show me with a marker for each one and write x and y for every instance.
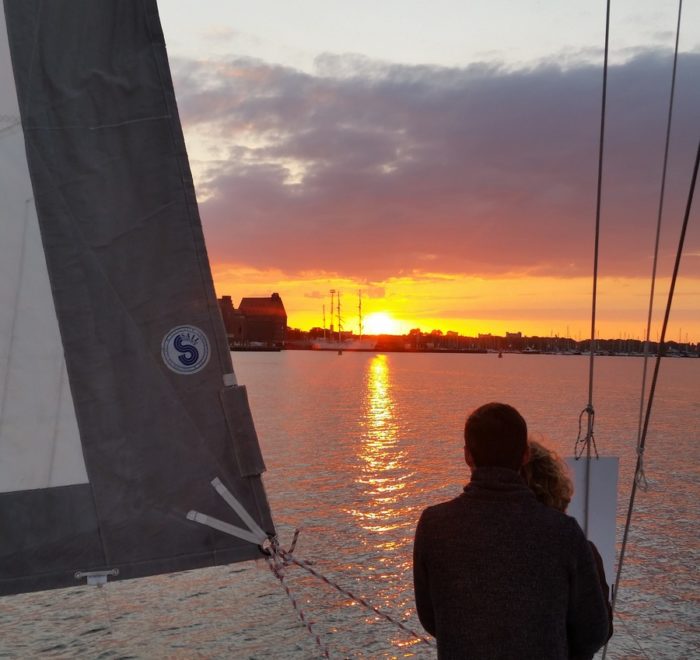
(380, 454)
(383, 475)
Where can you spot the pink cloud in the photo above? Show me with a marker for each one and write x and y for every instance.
(397, 170)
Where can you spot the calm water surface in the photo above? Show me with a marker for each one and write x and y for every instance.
(356, 446)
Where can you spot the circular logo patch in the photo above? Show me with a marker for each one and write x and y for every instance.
(185, 349)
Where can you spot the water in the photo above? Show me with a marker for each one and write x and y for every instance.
(356, 446)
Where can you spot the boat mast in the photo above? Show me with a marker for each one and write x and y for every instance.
(340, 325)
(332, 298)
(359, 310)
(324, 320)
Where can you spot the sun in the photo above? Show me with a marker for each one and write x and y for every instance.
(380, 323)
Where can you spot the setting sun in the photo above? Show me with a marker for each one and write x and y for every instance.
(380, 323)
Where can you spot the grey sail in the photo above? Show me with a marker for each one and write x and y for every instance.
(118, 403)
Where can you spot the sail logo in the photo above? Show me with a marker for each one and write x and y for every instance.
(185, 349)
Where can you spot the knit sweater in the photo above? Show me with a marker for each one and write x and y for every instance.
(499, 575)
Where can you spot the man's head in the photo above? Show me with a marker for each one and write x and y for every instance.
(495, 435)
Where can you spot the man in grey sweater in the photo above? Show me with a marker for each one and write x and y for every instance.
(496, 573)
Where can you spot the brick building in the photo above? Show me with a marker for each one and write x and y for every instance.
(266, 319)
(257, 321)
(234, 321)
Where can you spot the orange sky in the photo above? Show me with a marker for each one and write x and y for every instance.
(456, 196)
(468, 305)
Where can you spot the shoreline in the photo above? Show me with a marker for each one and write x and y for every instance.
(449, 351)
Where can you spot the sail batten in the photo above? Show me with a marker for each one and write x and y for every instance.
(136, 317)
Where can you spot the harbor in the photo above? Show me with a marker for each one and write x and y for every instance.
(355, 448)
(267, 329)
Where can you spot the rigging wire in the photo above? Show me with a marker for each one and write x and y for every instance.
(640, 480)
(587, 443)
(599, 188)
(640, 476)
(652, 389)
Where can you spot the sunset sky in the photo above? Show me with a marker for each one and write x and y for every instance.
(442, 158)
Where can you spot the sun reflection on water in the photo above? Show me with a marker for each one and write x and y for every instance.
(384, 481)
(383, 474)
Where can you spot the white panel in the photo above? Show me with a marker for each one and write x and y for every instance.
(39, 440)
(602, 504)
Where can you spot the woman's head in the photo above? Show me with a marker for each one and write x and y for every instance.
(547, 476)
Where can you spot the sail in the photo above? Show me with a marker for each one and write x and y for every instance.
(118, 402)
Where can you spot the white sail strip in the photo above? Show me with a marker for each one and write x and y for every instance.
(601, 508)
(39, 439)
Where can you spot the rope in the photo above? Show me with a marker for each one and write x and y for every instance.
(640, 480)
(276, 568)
(583, 442)
(587, 442)
(628, 630)
(588, 439)
(599, 189)
(652, 390)
(640, 476)
(290, 558)
(277, 557)
(110, 619)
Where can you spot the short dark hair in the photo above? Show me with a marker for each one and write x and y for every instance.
(496, 435)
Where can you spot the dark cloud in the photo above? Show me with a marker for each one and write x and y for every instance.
(374, 170)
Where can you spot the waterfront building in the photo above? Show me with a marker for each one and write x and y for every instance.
(265, 319)
(257, 321)
(234, 321)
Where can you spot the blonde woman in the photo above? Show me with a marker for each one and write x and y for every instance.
(548, 477)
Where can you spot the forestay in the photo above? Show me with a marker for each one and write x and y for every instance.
(118, 403)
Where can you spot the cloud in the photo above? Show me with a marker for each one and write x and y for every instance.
(374, 170)
(219, 33)
(374, 292)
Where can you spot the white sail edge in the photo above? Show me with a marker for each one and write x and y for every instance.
(39, 438)
(602, 504)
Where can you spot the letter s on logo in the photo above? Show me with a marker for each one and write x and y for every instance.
(188, 353)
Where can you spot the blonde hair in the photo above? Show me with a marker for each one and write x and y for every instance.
(547, 476)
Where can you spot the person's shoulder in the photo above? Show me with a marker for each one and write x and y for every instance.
(564, 524)
(557, 517)
(442, 509)
(576, 538)
(568, 523)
